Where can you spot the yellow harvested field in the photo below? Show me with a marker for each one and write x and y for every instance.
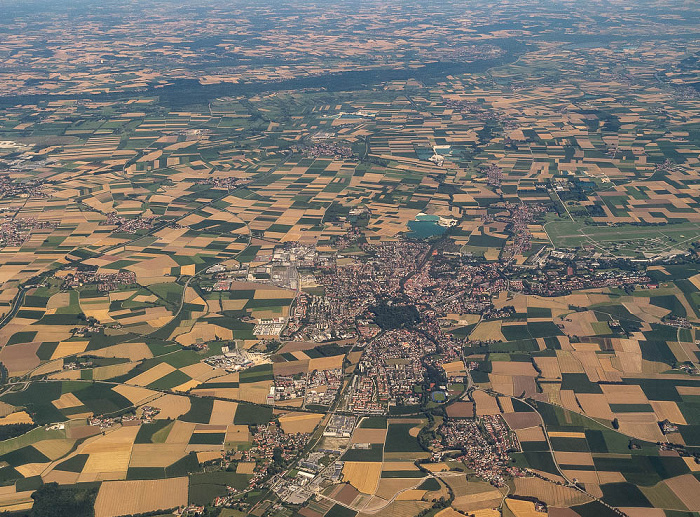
(692, 465)
(506, 404)
(58, 301)
(299, 422)
(624, 394)
(695, 279)
(20, 417)
(225, 393)
(67, 400)
(487, 330)
(135, 394)
(549, 366)
(61, 477)
(502, 383)
(237, 434)
(485, 404)
(131, 351)
(588, 477)
(595, 405)
(552, 392)
(326, 363)
(245, 467)
(573, 458)
(11, 500)
(229, 377)
(7, 490)
(54, 449)
(66, 348)
(629, 362)
(181, 432)
(566, 434)
(610, 477)
(486, 512)
(19, 507)
(363, 475)
(204, 456)
(189, 269)
(585, 347)
(484, 500)
(531, 434)
(389, 487)
(687, 488)
(368, 435)
(568, 363)
(233, 305)
(187, 386)
(102, 373)
(222, 412)
(86, 414)
(205, 332)
(200, 371)
(120, 295)
(117, 498)
(522, 508)
(31, 469)
(578, 323)
(267, 293)
(6, 409)
(50, 367)
(152, 374)
(453, 367)
(488, 495)
(255, 392)
(110, 452)
(436, 467)
(449, 512)
(637, 428)
(688, 390)
(204, 448)
(411, 495)
(398, 509)
(171, 406)
(156, 454)
(668, 410)
(550, 493)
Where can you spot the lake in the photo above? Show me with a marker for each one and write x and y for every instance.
(425, 226)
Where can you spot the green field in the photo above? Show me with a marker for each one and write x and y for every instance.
(373, 422)
(652, 239)
(250, 414)
(398, 439)
(207, 486)
(374, 453)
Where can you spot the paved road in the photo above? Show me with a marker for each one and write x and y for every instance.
(570, 483)
(16, 304)
(19, 299)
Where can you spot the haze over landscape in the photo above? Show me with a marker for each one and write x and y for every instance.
(350, 258)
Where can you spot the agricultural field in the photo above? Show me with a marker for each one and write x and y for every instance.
(415, 258)
(122, 497)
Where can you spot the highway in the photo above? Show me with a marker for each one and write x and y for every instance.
(16, 304)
